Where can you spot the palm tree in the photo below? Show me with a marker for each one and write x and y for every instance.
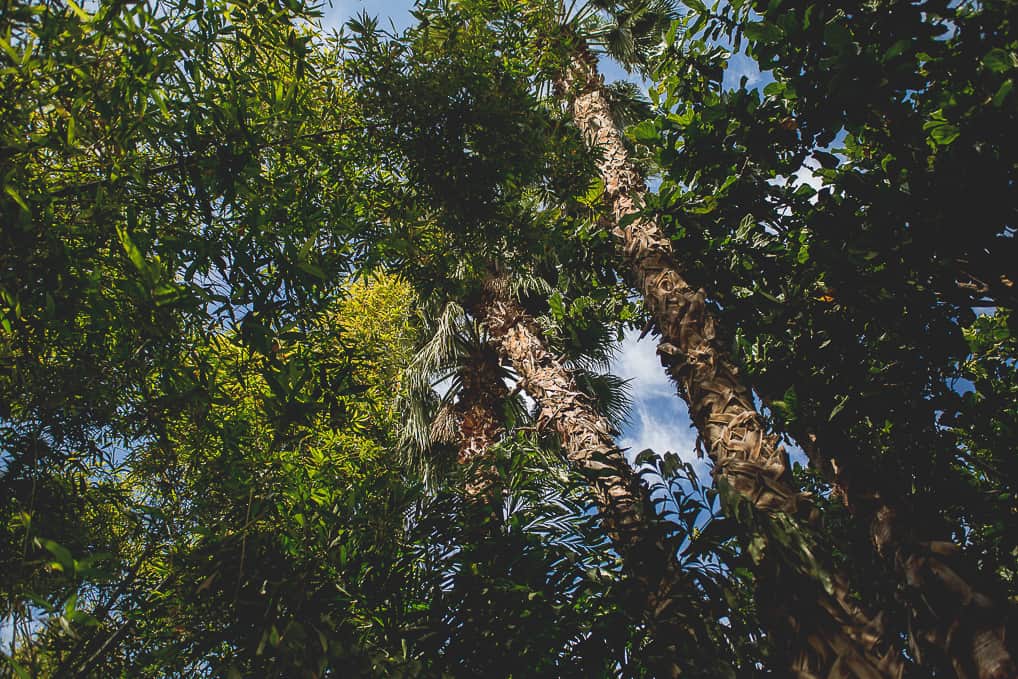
(471, 413)
(745, 456)
(721, 406)
(462, 354)
(831, 632)
(588, 439)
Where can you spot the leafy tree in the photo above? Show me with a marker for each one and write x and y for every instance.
(239, 254)
(746, 457)
(814, 284)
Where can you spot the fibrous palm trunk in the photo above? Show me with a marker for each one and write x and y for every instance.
(481, 422)
(587, 437)
(589, 443)
(826, 635)
(950, 611)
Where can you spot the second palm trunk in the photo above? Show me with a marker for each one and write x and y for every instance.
(817, 628)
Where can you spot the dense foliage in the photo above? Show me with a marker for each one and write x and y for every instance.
(256, 419)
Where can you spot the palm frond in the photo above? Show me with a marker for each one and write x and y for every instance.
(528, 283)
(611, 394)
(436, 361)
(440, 351)
(629, 31)
(417, 414)
(628, 104)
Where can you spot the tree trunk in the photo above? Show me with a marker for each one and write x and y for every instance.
(480, 421)
(589, 443)
(587, 437)
(828, 636)
(950, 613)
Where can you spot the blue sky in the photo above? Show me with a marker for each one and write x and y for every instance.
(338, 11)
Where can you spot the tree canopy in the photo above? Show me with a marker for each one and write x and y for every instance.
(307, 337)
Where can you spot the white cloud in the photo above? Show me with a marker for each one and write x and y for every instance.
(807, 175)
(659, 419)
(740, 66)
(661, 428)
(638, 361)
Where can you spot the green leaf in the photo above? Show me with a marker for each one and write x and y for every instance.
(312, 269)
(775, 89)
(593, 195)
(837, 36)
(646, 456)
(84, 16)
(11, 52)
(764, 31)
(19, 670)
(838, 408)
(781, 408)
(556, 305)
(1003, 92)
(167, 293)
(133, 253)
(645, 132)
(828, 161)
(61, 554)
(944, 134)
(897, 49)
(17, 198)
(998, 60)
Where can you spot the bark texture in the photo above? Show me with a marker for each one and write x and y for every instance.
(951, 614)
(744, 454)
(823, 635)
(588, 439)
(480, 420)
(589, 442)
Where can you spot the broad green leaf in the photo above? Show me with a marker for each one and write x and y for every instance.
(837, 35)
(645, 132)
(944, 134)
(998, 60)
(764, 31)
(1003, 92)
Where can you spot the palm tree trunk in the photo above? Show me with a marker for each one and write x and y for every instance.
(967, 626)
(950, 613)
(589, 443)
(480, 421)
(587, 437)
(827, 632)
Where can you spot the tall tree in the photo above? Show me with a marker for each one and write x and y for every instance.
(746, 457)
(471, 414)
(589, 443)
(498, 217)
(829, 279)
(203, 464)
